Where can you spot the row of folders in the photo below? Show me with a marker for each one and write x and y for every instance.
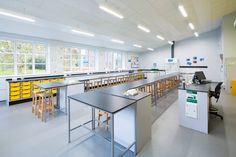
(24, 90)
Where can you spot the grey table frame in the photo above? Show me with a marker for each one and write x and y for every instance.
(49, 85)
(93, 128)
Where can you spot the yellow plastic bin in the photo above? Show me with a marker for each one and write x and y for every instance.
(234, 87)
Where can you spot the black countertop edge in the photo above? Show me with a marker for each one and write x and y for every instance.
(100, 107)
(204, 91)
(34, 78)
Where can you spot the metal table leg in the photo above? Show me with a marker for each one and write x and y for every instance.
(68, 120)
(112, 136)
(66, 99)
(93, 118)
(45, 105)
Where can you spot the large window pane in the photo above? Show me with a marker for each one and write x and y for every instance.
(6, 45)
(24, 47)
(40, 59)
(40, 48)
(6, 58)
(40, 68)
(6, 69)
(23, 69)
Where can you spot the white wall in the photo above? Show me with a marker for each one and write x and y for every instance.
(229, 49)
(56, 51)
(207, 45)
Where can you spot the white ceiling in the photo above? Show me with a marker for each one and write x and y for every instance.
(56, 18)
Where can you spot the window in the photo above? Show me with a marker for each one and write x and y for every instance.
(24, 52)
(78, 60)
(6, 57)
(113, 61)
(22, 58)
(40, 59)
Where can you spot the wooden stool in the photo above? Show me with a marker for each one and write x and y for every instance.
(35, 101)
(97, 84)
(100, 114)
(106, 82)
(49, 105)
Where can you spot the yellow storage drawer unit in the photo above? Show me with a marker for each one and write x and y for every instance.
(234, 87)
(14, 89)
(27, 83)
(13, 98)
(15, 84)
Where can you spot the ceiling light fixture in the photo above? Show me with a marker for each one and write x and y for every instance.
(135, 45)
(24, 18)
(111, 12)
(117, 41)
(196, 34)
(183, 11)
(151, 49)
(143, 28)
(191, 26)
(83, 33)
(160, 37)
(170, 42)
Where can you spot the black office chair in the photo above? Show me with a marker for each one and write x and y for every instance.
(215, 94)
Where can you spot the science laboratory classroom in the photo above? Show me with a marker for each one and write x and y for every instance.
(117, 78)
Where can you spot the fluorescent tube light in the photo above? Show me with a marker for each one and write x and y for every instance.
(82, 33)
(143, 28)
(160, 37)
(183, 11)
(135, 45)
(24, 18)
(170, 42)
(196, 34)
(191, 26)
(111, 12)
(151, 49)
(117, 41)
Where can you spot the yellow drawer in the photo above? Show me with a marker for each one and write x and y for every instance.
(54, 90)
(15, 84)
(12, 98)
(36, 81)
(61, 79)
(54, 80)
(45, 81)
(15, 89)
(26, 95)
(15, 93)
(26, 83)
(25, 87)
(26, 91)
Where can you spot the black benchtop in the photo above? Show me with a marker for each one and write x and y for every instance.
(105, 102)
(200, 87)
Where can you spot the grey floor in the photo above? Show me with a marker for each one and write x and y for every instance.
(22, 134)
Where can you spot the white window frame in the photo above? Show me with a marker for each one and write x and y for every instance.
(33, 42)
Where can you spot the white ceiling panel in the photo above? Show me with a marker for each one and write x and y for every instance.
(162, 17)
